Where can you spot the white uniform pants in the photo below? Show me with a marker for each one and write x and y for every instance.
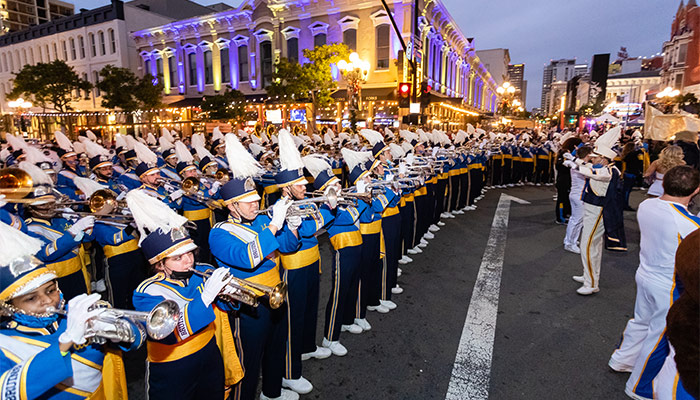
(667, 384)
(573, 228)
(592, 244)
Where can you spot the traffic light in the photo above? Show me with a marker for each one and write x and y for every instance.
(425, 94)
(404, 95)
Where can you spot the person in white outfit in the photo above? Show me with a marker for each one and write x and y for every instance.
(575, 224)
(643, 348)
(669, 157)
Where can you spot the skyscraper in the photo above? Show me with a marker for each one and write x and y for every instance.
(16, 15)
(516, 74)
(559, 70)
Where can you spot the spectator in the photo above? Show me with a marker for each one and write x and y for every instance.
(670, 157)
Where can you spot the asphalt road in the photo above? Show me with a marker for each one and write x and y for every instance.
(550, 342)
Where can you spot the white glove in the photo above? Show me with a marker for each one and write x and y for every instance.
(569, 163)
(82, 225)
(214, 188)
(361, 186)
(212, 287)
(410, 158)
(174, 196)
(568, 156)
(435, 151)
(77, 318)
(121, 196)
(403, 169)
(279, 212)
(2, 200)
(294, 222)
(389, 177)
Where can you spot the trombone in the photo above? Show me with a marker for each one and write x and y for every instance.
(103, 204)
(248, 292)
(190, 188)
(160, 321)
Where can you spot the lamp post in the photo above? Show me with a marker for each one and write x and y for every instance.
(667, 96)
(19, 105)
(355, 72)
(507, 92)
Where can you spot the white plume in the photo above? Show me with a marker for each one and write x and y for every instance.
(63, 141)
(91, 135)
(460, 137)
(256, 149)
(39, 177)
(216, 134)
(316, 138)
(240, 161)
(255, 139)
(182, 153)
(328, 139)
(198, 140)
(315, 164)
(93, 149)
(609, 138)
(263, 136)
(165, 133)
(87, 186)
(16, 142)
(130, 142)
(372, 136)
(164, 143)
(151, 214)
(203, 152)
(119, 141)
(34, 155)
(354, 158)
(290, 159)
(470, 129)
(16, 244)
(145, 155)
(79, 147)
(407, 148)
(396, 151)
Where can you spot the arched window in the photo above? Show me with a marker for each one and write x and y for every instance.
(4, 62)
(81, 45)
(31, 55)
(102, 42)
(64, 50)
(172, 70)
(24, 57)
(93, 49)
(383, 44)
(243, 63)
(225, 65)
(192, 64)
(112, 41)
(208, 68)
(266, 62)
(293, 49)
(350, 38)
(73, 54)
(96, 79)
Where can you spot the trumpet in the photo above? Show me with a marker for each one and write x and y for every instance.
(114, 323)
(190, 188)
(103, 204)
(299, 208)
(248, 292)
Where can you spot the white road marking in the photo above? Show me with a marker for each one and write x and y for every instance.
(472, 368)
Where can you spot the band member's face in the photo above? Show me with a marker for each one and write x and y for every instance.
(71, 161)
(420, 148)
(37, 301)
(172, 161)
(221, 151)
(151, 179)
(245, 210)
(211, 170)
(106, 171)
(191, 173)
(180, 263)
(379, 170)
(385, 156)
(297, 192)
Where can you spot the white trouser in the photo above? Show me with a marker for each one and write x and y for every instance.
(592, 244)
(667, 384)
(643, 331)
(573, 228)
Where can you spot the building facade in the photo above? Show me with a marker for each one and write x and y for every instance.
(496, 62)
(516, 77)
(17, 15)
(238, 48)
(87, 41)
(558, 70)
(681, 66)
(632, 87)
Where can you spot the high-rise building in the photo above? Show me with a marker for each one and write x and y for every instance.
(516, 75)
(559, 71)
(681, 56)
(496, 62)
(16, 15)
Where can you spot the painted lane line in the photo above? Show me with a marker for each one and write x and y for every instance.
(472, 368)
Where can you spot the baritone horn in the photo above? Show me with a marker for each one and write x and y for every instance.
(248, 292)
(114, 323)
(16, 184)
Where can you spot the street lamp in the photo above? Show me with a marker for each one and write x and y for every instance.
(507, 92)
(355, 72)
(19, 105)
(667, 96)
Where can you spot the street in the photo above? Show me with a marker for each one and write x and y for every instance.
(549, 341)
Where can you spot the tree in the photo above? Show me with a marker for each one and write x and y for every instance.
(122, 89)
(312, 80)
(49, 84)
(223, 106)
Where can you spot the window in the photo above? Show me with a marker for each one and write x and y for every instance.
(350, 38)
(93, 50)
(64, 50)
(147, 67)
(383, 40)
(112, 42)
(320, 39)
(159, 68)
(31, 55)
(293, 49)
(48, 55)
(682, 53)
(102, 42)
(172, 71)
(208, 72)
(678, 84)
(38, 52)
(73, 54)
(24, 56)
(192, 64)
(243, 63)
(96, 79)
(4, 62)
(81, 45)
(55, 51)
(86, 94)
(266, 62)
(225, 66)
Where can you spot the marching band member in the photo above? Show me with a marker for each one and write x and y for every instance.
(301, 268)
(218, 148)
(149, 174)
(45, 354)
(187, 364)
(249, 243)
(70, 169)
